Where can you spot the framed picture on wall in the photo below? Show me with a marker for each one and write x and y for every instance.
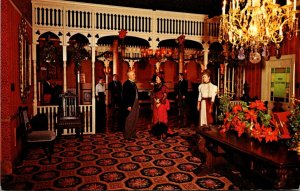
(87, 97)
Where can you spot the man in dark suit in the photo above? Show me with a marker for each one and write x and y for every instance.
(181, 95)
(130, 106)
(115, 88)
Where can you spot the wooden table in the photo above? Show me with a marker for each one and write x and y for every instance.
(272, 161)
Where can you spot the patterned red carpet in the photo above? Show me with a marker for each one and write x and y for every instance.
(106, 161)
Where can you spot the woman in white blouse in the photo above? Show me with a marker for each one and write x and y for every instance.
(100, 106)
(206, 99)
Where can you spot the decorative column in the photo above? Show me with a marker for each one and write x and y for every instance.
(93, 91)
(181, 40)
(107, 71)
(34, 103)
(205, 51)
(115, 56)
(225, 78)
(65, 68)
(30, 65)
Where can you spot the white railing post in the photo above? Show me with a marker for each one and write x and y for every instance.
(51, 111)
(34, 103)
(93, 91)
(65, 68)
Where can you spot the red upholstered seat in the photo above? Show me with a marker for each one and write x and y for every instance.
(281, 119)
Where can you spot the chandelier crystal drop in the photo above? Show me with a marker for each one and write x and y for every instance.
(254, 24)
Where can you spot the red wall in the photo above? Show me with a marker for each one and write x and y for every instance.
(293, 47)
(253, 71)
(10, 99)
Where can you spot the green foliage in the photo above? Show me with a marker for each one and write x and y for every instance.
(79, 54)
(224, 105)
(264, 118)
(50, 53)
(294, 125)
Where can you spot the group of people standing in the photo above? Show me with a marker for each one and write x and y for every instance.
(124, 103)
(124, 99)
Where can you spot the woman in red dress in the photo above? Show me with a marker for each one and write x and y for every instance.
(161, 106)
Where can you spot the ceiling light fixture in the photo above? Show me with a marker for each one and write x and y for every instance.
(254, 24)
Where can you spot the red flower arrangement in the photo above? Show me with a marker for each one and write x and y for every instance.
(251, 119)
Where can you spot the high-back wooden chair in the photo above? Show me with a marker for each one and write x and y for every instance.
(40, 138)
(69, 115)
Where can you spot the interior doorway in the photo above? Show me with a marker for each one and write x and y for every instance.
(279, 86)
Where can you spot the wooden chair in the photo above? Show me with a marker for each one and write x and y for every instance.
(31, 137)
(69, 116)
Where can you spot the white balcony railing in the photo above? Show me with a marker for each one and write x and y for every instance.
(85, 18)
(51, 112)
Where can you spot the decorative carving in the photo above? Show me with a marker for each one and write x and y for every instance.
(24, 61)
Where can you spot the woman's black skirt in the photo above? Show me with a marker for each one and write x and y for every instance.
(159, 129)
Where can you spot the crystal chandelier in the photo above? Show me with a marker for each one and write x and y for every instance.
(254, 24)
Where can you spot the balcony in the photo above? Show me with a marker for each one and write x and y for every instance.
(66, 18)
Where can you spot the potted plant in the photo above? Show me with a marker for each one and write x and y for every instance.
(252, 120)
(224, 104)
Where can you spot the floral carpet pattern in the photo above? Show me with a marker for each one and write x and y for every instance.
(107, 161)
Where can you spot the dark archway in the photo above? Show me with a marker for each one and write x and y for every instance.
(127, 41)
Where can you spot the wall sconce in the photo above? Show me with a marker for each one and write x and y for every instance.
(161, 54)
